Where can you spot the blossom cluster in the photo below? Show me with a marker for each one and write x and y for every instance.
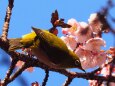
(85, 40)
(107, 70)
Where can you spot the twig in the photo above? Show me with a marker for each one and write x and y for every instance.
(110, 71)
(87, 76)
(17, 73)
(68, 81)
(99, 83)
(46, 77)
(98, 69)
(7, 20)
(5, 81)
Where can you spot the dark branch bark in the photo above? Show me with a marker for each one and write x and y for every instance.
(68, 81)
(46, 77)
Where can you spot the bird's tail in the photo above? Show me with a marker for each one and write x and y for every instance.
(15, 44)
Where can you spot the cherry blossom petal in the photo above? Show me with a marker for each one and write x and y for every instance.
(90, 59)
(65, 30)
(94, 44)
(83, 32)
(72, 22)
(70, 42)
(83, 24)
(106, 70)
(71, 30)
(93, 83)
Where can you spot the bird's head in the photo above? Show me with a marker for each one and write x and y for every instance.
(79, 66)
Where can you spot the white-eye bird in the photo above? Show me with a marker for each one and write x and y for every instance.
(48, 48)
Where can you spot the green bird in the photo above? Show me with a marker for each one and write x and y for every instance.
(48, 48)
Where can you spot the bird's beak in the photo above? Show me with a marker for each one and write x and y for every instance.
(82, 69)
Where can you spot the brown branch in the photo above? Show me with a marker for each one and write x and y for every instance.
(17, 73)
(96, 70)
(87, 76)
(7, 20)
(110, 71)
(68, 81)
(46, 77)
(5, 81)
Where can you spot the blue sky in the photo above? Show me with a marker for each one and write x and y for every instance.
(37, 13)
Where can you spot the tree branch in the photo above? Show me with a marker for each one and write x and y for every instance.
(87, 76)
(7, 20)
(46, 77)
(17, 73)
(68, 81)
(5, 81)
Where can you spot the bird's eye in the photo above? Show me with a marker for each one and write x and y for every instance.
(77, 62)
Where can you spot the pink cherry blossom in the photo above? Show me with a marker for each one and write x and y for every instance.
(89, 53)
(94, 44)
(71, 30)
(83, 32)
(70, 42)
(90, 59)
(106, 70)
(93, 83)
(65, 30)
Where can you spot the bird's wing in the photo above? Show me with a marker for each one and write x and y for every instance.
(54, 47)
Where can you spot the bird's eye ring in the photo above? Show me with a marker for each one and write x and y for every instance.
(76, 62)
